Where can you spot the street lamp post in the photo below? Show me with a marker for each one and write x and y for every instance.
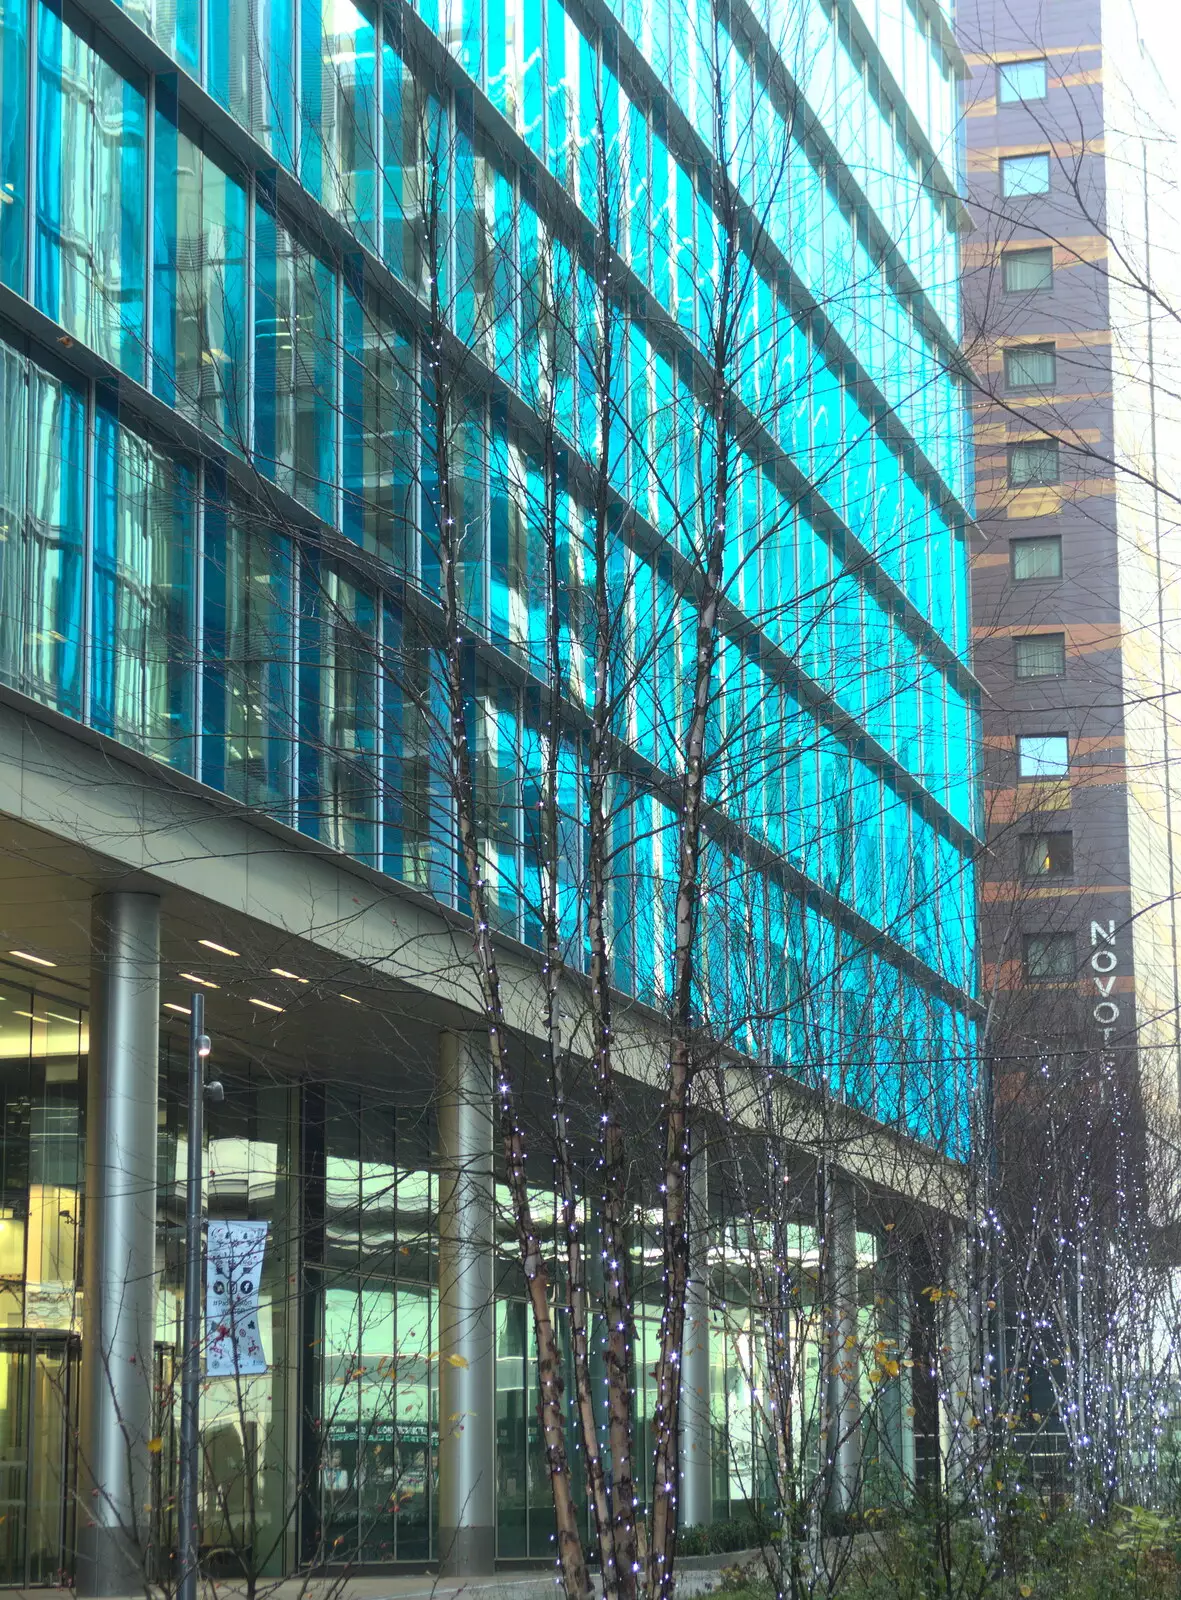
(190, 1380)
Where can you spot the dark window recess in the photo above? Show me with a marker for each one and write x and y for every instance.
(1047, 855)
(1027, 271)
(1035, 559)
(1033, 462)
(1040, 655)
(1030, 366)
(1049, 957)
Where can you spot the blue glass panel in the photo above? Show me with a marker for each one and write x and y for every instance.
(143, 644)
(91, 142)
(14, 136)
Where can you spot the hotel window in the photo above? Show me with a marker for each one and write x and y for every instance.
(1030, 366)
(1048, 957)
(1036, 559)
(1027, 271)
(1047, 855)
(1040, 655)
(1033, 462)
(1043, 755)
(1022, 176)
(1021, 80)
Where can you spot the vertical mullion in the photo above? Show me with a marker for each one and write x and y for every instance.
(87, 620)
(198, 579)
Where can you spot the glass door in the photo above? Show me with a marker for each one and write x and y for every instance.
(38, 1408)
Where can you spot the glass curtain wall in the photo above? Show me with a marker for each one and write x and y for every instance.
(248, 1484)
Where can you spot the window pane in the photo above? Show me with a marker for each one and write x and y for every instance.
(1041, 655)
(1024, 175)
(1047, 855)
(143, 641)
(91, 138)
(1033, 463)
(199, 298)
(1049, 955)
(1021, 80)
(1037, 558)
(1025, 270)
(1043, 755)
(1030, 366)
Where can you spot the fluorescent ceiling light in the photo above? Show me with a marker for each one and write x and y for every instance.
(206, 983)
(181, 1011)
(222, 949)
(282, 972)
(27, 955)
(351, 998)
(265, 1004)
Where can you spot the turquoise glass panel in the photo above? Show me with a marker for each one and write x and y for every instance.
(143, 644)
(91, 199)
(14, 135)
(199, 299)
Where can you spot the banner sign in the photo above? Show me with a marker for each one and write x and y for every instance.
(233, 1266)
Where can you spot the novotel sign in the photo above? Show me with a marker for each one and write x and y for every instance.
(1104, 967)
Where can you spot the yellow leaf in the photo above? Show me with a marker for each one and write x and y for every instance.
(1026, 1591)
(892, 1367)
(851, 1342)
(155, 1445)
(875, 1375)
(458, 1361)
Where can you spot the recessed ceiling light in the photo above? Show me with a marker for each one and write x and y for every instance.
(27, 955)
(265, 1004)
(181, 1011)
(206, 983)
(351, 998)
(222, 949)
(282, 972)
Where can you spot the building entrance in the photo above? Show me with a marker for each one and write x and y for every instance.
(38, 1417)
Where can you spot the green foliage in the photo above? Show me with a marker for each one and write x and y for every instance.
(718, 1538)
(1036, 1556)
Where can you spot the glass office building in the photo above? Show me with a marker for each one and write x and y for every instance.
(233, 234)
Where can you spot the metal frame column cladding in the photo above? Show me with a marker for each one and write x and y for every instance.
(696, 1507)
(119, 1262)
(843, 1397)
(467, 1321)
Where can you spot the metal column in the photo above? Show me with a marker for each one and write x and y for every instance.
(955, 1362)
(119, 1263)
(696, 1508)
(843, 1357)
(467, 1322)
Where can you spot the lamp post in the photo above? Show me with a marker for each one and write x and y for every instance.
(190, 1379)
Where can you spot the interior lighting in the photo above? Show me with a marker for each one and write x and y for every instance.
(267, 1005)
(27, 955)
(206, 983)
(351, 998)
(282, 972)
(222, 949)
(181, 1011)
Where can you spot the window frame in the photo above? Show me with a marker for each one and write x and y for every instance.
(1016, 445)
(1022, 99)
(1064, 940)
(1042, 777)
(1045, 538)
(1038, 347)
(1033, 677)
(1009, 163)
(1054, 873)
(1017, 254)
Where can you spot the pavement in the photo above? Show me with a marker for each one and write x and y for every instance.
(695, 1576)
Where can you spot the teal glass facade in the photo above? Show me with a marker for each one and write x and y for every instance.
(193, 595)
